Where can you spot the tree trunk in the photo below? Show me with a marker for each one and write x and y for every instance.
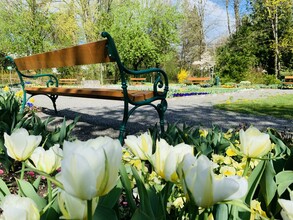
(228, 17)
(237, 14)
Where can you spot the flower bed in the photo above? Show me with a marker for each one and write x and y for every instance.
(184, 173)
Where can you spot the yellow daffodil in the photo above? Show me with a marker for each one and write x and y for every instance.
(47, 160)
(14, 207)
(166, 159)
(254, 143)
(20, 145)
(202, 186)
(256, 210)
(6, 89)
(140, 146)
(203, 132)
(231, 152)
(90, 168)
(228, 171)
(19, 94)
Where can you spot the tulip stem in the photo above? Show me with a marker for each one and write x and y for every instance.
(246, 166)
(49, 190)
(22, 170)
(89, 210)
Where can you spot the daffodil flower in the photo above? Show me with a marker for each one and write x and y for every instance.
(202, 186)
(20, 145)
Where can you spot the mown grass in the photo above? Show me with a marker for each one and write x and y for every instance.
(280, 106)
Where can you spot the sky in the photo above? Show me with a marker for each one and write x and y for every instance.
(216, 19)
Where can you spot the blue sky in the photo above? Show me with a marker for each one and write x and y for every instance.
(216, 19)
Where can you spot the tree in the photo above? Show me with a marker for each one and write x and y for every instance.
(25, 26)
(192, 37)
(143, 36)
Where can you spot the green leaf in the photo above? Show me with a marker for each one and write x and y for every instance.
(145, 202)
(36, 183)
(104, 213)
(221, 211)
(140, 214)
(111, 198)
(28, 190)
(3, 189)
(267, 183)
(127, 187)
(284, 179)
(254, 179)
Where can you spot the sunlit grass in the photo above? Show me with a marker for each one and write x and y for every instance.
(280, 106)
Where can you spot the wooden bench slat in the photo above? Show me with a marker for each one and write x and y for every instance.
(78, 55)
(288, 77)
(114, 94)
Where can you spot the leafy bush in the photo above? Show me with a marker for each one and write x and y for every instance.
(182, 75)
(12, 118)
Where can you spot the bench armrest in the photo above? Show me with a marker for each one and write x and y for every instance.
(160, 84)
(52, 80)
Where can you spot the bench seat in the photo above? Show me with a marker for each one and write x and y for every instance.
(113, 94)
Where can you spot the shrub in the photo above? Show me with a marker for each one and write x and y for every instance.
(182, 75)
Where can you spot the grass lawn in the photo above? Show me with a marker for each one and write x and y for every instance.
(280, 106)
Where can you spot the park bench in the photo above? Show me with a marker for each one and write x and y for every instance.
(288, 81)
(102, 51)
(67, 81)
(198, 80)
(137, 80)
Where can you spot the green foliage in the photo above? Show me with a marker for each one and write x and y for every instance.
(143, 36)
(204, 141)
(236, 57)
(11, 118)
(257, 77)
(258, 40)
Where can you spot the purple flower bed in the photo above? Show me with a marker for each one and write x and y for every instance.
(189, 94)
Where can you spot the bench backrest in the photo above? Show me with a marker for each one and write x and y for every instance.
(90, 53)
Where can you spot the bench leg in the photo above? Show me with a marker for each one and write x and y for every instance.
(53, 99)
(161, 109)
(124, 122)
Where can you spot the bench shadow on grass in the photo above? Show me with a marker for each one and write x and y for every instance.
(102, 121)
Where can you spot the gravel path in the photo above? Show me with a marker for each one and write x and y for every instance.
(103, 117)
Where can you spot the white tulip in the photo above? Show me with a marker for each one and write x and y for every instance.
(47, 160)
(287, 207)
(140, 146)
(254, 143)
(72, 207)
(20, 145)
(166, 159)
(90, 169)
(15, 207)
(200, 183)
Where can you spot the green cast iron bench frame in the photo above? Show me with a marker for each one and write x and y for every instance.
(102, 51)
